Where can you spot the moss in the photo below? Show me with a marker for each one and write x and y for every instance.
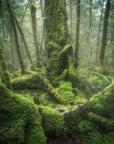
(85, 127)
(53, 123)
(99, 120)
(65, 89)
(4, 71)
(64, 58)
(93, 137)
(36, 81)
(36, 100)
(22, 121)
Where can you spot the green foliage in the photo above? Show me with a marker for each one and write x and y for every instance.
(93, 137)
(53, 123)
(20, 121)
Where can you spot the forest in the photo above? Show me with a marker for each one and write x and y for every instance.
(56, 72)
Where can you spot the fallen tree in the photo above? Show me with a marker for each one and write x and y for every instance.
(34, 80)
(85, 103)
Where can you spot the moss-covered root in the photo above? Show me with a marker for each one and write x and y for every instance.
(4, 71)
(20, 121)
(33, 80)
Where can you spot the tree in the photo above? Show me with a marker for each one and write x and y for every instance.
(34, 29)
(16, 36)
(57, 35)
(4, 71)
(104, 34)
(77, 35)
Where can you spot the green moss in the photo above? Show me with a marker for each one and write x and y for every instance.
(36, 81)
(20, 115)
(98, 120)
(4, 71)
(65, 89)
(85, 127)
(53, 123)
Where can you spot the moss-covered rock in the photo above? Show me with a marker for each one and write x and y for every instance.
(53, 123)
(20, 121)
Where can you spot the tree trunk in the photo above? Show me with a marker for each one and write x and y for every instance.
(90, 20)
(104, 34)
(4, 71)
(16, 37)
(70, 16)
(24, 41)
(77, 34)
(56, 34)
(99, 33)
(34, 29)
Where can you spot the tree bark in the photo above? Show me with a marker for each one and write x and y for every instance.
(16, 37)
(104, 34)
(99, 32)
(24, 41)
(77, 34)
(34, 29)
(4, 71)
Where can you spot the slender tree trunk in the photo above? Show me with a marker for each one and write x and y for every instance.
(44, 31)
(12, 48)
(90, 20)
(65, 20)
(71, 16)
(99, 32)
(77, 34)
(104, 34)
(34, 29)
(4, 71)
(24, 41)
(16, 37)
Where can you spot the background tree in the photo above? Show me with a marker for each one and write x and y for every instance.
(104, 35)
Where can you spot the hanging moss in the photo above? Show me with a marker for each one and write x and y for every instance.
(20, 122)
(4, 71)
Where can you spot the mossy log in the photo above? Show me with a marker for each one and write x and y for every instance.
(93, 119)
(81, 106)
(34, 80)
(20, 121)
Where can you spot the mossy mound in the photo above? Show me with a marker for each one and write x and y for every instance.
(36, 81)
(20, 121)
(53, 123)
(29, 81)
(96, 120)
(72, 95)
